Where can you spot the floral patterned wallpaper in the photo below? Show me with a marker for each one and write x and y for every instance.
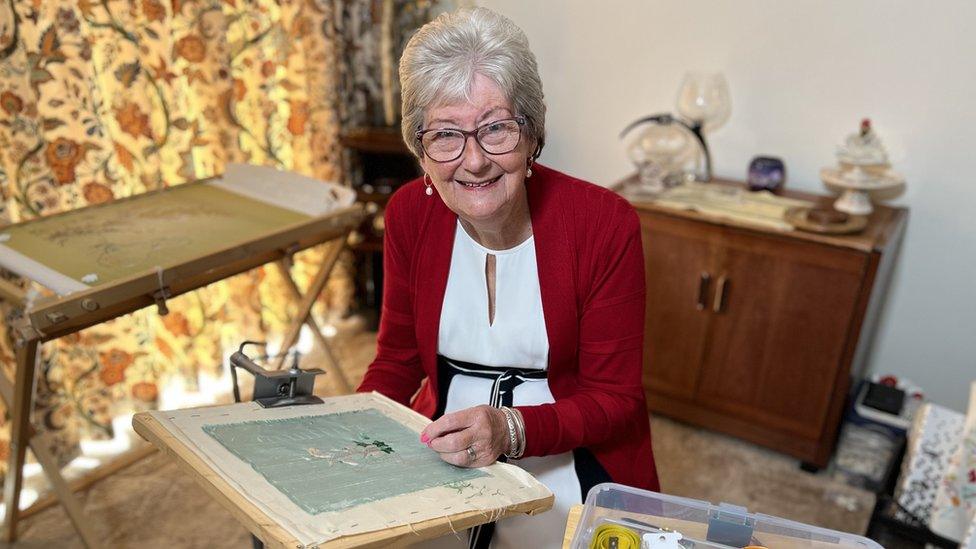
(102, 99)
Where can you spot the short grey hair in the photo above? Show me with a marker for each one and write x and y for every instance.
(441, 60)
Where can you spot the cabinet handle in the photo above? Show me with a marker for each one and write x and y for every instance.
(719, 302)
(703, 281)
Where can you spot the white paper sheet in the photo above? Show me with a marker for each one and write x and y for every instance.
(287, 190)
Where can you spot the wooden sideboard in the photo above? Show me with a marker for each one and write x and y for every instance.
(755, 332)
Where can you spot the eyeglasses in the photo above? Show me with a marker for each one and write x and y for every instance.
(447, 144)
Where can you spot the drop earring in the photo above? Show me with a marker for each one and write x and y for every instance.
(428, 184)
(528, 170)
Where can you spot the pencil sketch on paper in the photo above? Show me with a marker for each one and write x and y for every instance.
(337, 461)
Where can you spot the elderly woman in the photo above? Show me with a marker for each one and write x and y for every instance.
(513, 306)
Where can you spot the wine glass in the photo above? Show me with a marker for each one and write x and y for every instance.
(704, 99)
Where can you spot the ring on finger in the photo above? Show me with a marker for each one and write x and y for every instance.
(472, 455)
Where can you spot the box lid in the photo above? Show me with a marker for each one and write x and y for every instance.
(614, 509)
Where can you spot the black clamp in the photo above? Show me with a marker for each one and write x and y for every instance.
(276, 388)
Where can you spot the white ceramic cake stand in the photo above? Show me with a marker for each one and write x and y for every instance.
(856, 184)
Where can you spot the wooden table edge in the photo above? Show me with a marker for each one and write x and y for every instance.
(867, 241)
(572, 521)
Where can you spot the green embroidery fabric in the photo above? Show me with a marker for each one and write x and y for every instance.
(337, 461)
(126, 238)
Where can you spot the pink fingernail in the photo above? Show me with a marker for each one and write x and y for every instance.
(425, 439)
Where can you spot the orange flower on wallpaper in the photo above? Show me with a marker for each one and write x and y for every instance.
(87, 8)
(153, 10)
(11, 103)
(132, 120)
(162, 73)
(111, 375)
(298, 118)
(240, 90)
(177, 324)
(145, 391)
(123, 155)
(96, 193)
(63, 156)
(164, 348)
(300, 26)
(192, 48)
(114, 362)
(226, 102)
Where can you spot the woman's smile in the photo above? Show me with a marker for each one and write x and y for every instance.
(478, 184)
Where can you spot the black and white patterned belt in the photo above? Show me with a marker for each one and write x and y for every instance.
(504, 380)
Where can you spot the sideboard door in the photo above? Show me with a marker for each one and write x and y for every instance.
(782, 315)
(678, 259)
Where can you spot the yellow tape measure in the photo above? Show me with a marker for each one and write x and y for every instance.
(605, 533)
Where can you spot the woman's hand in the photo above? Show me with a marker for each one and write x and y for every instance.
(473, 437)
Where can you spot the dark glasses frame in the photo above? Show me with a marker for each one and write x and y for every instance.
(520, 120)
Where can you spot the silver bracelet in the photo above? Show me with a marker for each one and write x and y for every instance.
(520, 425)
(517, 432)
(512, 438)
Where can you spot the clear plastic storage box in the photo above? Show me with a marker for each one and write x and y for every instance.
(627, 518)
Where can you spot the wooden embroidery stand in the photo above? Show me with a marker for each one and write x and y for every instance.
(280, 524)
(53, 317)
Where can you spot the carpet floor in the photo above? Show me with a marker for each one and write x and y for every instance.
(153, 504)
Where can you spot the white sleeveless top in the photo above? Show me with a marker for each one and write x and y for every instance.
(516, 338)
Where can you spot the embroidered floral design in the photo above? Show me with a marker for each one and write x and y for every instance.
(359, 453)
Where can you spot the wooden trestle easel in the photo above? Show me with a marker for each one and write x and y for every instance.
(52, 318)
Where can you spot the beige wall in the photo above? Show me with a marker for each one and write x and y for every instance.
(802, 75)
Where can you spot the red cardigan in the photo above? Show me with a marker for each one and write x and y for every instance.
(591, 276)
